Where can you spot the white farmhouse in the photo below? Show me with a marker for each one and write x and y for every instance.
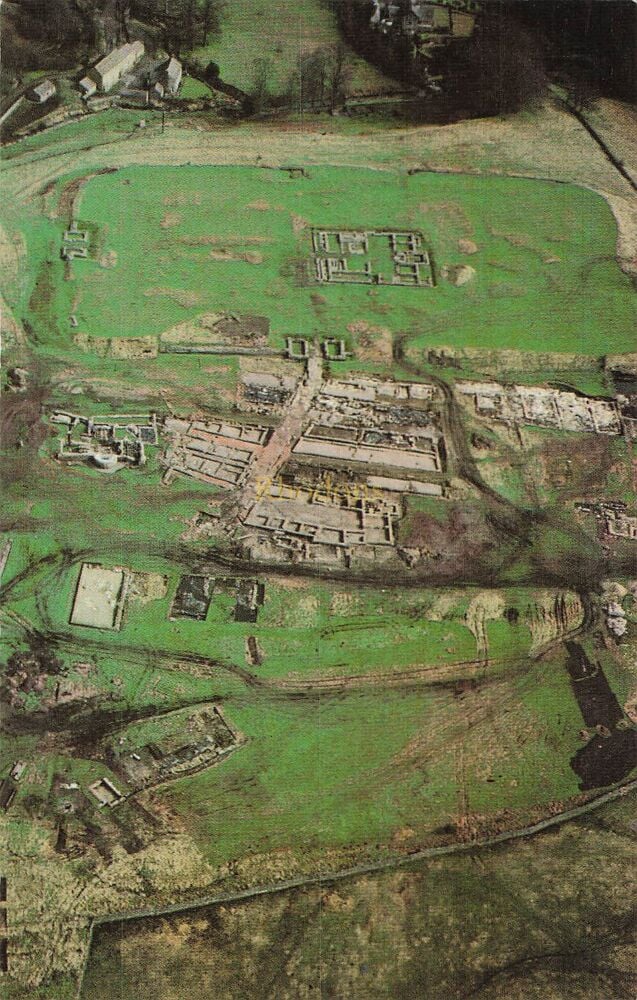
(109, 70)
(170, 75)
(44, 91)
(87, 86)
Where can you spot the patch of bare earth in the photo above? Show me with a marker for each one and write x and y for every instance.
(222, 241)
(108, 259)
(373, 343)
(247, 256)
(183, 298)
(170, 220)
(577, 468)
(69, 201)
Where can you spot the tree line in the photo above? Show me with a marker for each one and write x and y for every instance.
(63, 33)
(320, 81)
(497, 70)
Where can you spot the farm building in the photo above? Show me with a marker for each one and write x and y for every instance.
(170, 75)
(87, 86)
(109, 70)
(420, 18)
(43, 92)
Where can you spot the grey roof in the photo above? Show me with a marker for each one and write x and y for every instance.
(44, 89)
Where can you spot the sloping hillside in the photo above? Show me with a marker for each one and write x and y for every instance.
(282, 32)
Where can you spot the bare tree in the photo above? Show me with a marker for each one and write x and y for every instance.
(338, 76)
(259, 90)
(313, 76)
(209, 17)
(322, 77)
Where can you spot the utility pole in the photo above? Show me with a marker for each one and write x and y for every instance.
(163, 121)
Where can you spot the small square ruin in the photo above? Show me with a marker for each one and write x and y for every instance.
(99, 597)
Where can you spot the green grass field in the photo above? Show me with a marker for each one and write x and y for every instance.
(321, 770)
(168, 244)
(369, 727)
(309, 632)
(192, 89)
(282, 31)
(311, 778)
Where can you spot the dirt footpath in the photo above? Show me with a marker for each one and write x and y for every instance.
(616, 123)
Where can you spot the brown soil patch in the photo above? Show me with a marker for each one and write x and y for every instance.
(146, 587)
(299, 224)
(577, 468)
(118, 347)
(343, 602)
(20, 418)
(109, 259)
(458, 274)
(463, 537)
(171, 219)
(373, 343)
(338, 902)
(403, 836)
(505, 363)
(223, 241)
(69, 200)
(260, 205)
(218, 328)
(624, 362)
(178, 295)
(248, 256)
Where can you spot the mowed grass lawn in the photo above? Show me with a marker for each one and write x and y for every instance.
(170, 243)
